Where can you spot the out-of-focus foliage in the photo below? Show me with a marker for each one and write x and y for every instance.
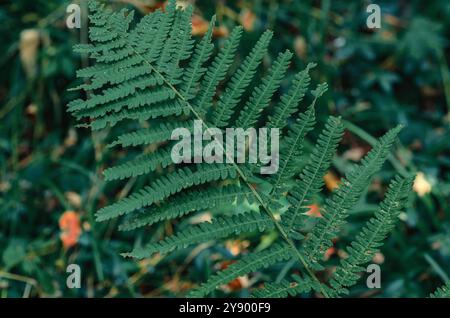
(377, 79)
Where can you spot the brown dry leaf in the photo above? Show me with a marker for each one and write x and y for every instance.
(247, 18)
(392, 20)
(176, 285)
(31, 109)
(5, 186)
(436, 245)
(429, 91)
(236, 246)
(29, 45)
(378, 258)
(199, 25)
(300, 47)
(220, 32)
(389, 63)
(236, 284)
(354, 154)
(71, 138)
(86, 226)
(421, 185)
(331, 181)
(201, 218)
(146, 6)
(69, 224)
(73, 198)
(342, 254)
(387, 35)
(416, 145)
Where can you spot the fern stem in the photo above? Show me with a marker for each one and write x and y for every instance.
(244, 178)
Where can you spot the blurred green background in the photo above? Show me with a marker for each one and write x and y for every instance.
(50, 171)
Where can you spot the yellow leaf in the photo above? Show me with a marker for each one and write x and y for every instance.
(331, 181)
(421, 185)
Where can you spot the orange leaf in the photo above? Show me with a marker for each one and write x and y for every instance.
(247, 19)
(314, 211)
(199, 25)
(69, 224)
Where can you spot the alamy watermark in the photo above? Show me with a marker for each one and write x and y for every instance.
(74, 278)
(374, 278)
(374, 19)
(73, 19)
(191, 146)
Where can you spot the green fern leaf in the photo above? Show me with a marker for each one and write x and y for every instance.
(239, 82)
(187, 202)
(310, 181)
(336, 209)
(292, 147)
(150, 135)
(165, 186)
(284, 288)
(442, 292)
(249, 263)
(144, 112)
(262, 94)
(367, 242)
(217, 71)
(289, 101)
(141, 165)
(221, 227)
(195, 70)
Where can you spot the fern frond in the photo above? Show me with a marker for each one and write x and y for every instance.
(195, 70)
(113, 94)
(150, 135)
(221, 227)
(293, 144)
(310, 181)
(153, 70)
(337, 207)
(153, 46)
(146, 111)
(217, 71)
(187, 202)
(144, 33)
(165, 186)
(239, 82)
(442, 292)
(132, 83)
(368, 241)
(115, 73)
(248, 264)
(178, 46)
(262, 94)
(285, 288)
(289, 101)
(141, 165)
(134, 100)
